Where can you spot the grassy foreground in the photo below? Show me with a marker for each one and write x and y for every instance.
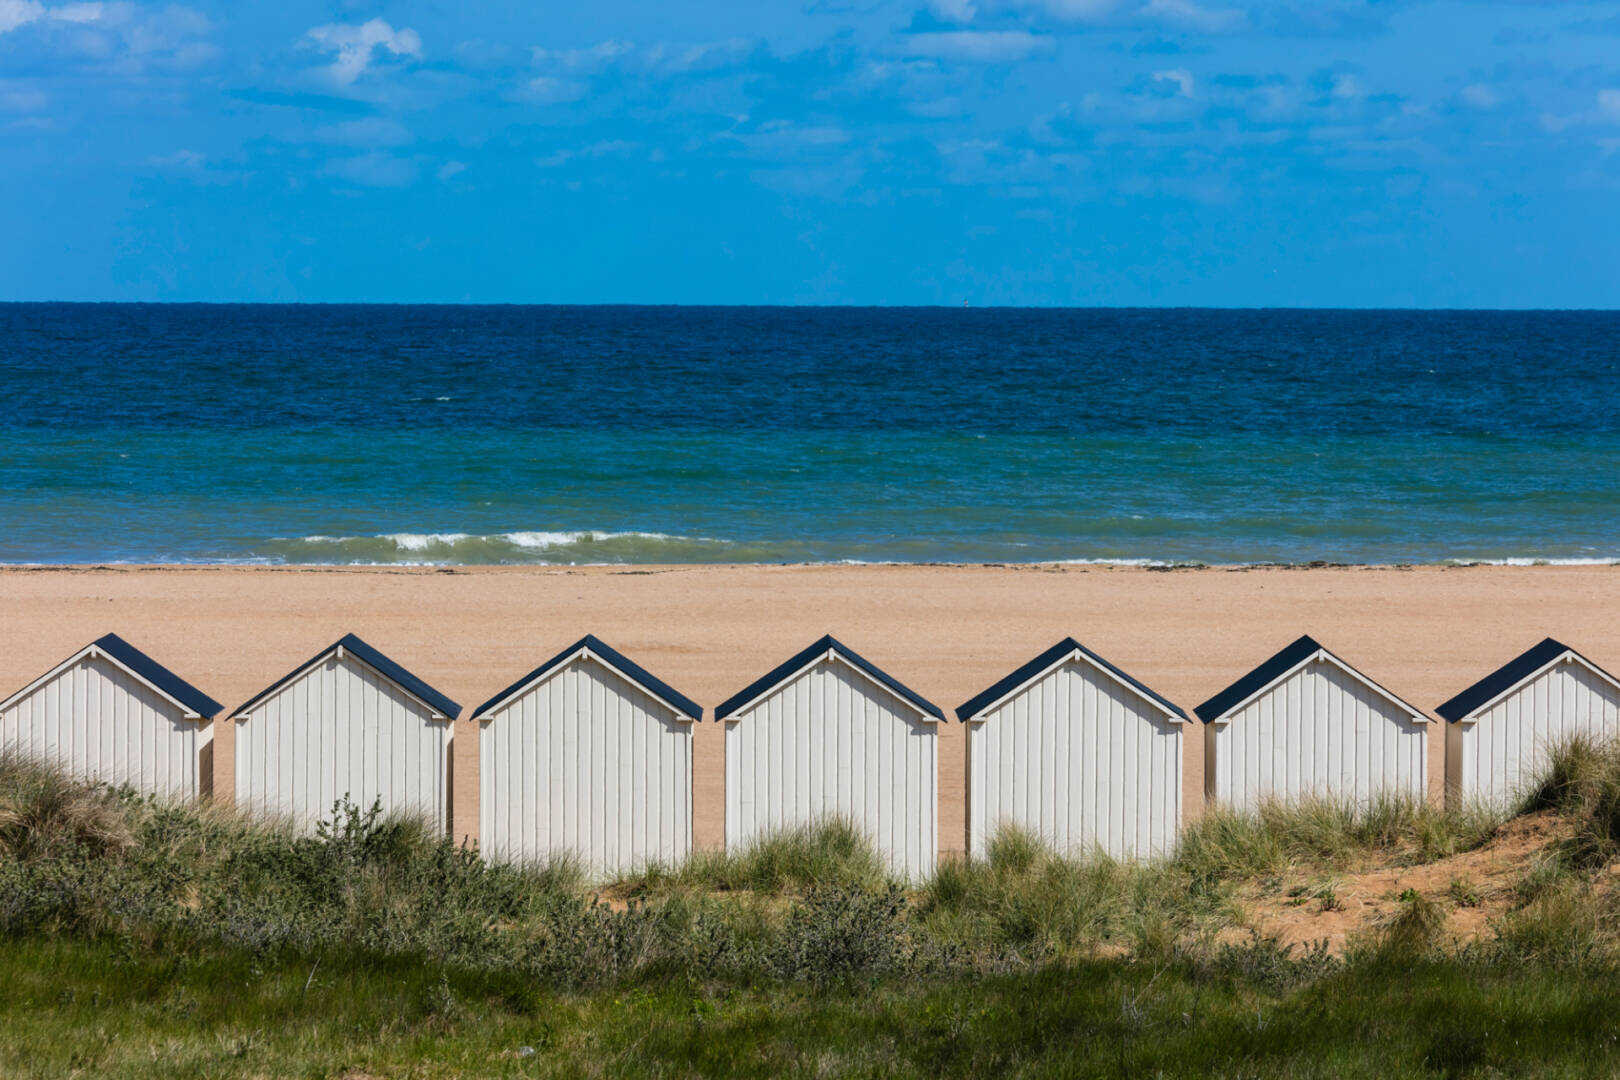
(140, 939)
(78, 1008)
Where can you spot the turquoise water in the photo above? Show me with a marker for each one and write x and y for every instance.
(625, 435)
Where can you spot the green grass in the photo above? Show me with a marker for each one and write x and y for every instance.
(1324, 834)
(833, 853)
(93, 1008)
(144, 939)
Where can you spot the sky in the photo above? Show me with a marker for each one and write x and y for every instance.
(1019, 152)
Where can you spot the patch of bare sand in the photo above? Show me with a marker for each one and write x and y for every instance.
(1474, 888)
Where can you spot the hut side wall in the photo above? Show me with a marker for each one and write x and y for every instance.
(1319, 732)
(1507, 747)
(341, 730)
(1082, 762)
(831, 743)
(99, 722)
(586, 762)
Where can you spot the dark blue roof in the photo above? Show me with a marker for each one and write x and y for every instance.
(1258, 679)
(372, 658)
(1508, 676)
(159, 676)
(1295, 653)
(1067, 647)
(627, 667)
(803, 659)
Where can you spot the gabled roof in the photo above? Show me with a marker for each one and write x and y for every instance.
(595, 647)
(825, 647)
(1293, 656)
(159, 678)
(1511, 674)
(373, 659)
(1045, 662)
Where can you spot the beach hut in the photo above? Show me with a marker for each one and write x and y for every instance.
(1305, 723)
(587, 755)
(1500, 730)
(1071, 748)
(111, 713)
(828, 735)
(348, 723)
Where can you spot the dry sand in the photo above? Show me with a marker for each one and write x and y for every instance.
(946, 631)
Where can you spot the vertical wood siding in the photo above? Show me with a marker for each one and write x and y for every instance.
(1507, 747)
(832, 743)
(341, 730)
(1318, 732)
(101, 723)
(587, 763)
(1079, 760)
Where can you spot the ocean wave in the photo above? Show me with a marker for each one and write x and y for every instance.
(1534, 560)
(564, 548)
(584, 547)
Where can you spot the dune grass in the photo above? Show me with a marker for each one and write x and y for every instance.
(1224, 844)
(140, 938)
(832, 853)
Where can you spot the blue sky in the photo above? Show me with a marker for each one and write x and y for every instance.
(1157, 152)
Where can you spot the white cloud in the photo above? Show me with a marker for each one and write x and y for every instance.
(661, 58)
(1345, 87)
(1180, 76)
(180, 159)
(1609, 102)
(589, 59)
(374, 170)
(550, 90)
(356, 46)
(374, 131)
(21, 98)
(1192, 16)
(1078, 10)
(955, 10)
(983, 46)
(18, 13)
(1479, 96)
(117, 37)
(451, 169)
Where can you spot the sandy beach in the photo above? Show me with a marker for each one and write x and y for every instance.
(947, 631)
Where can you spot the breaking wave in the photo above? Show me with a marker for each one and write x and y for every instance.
(563, 548)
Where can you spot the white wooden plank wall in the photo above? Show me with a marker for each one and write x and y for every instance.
(831, 743)
(587, 763)
(1318, 733)
(338, 730)
(1506, 749)
(1081, 761)
(99, 722)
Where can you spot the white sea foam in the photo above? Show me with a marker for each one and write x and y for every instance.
(1536, 560)
(537, 546)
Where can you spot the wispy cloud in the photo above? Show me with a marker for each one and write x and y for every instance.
(1193, 16)
(979, 46)
(356, 47)
(374, 170)
(1180, 77)
(19, 13)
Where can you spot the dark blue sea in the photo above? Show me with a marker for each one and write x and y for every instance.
(434, 434)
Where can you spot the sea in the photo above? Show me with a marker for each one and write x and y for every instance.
(443, 435)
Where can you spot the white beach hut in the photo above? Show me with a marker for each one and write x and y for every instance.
(588, 755)
(348, 723)
(1500, 730)
(1305, 723)
(110, 713)
(1076, 751)
(828, 735)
